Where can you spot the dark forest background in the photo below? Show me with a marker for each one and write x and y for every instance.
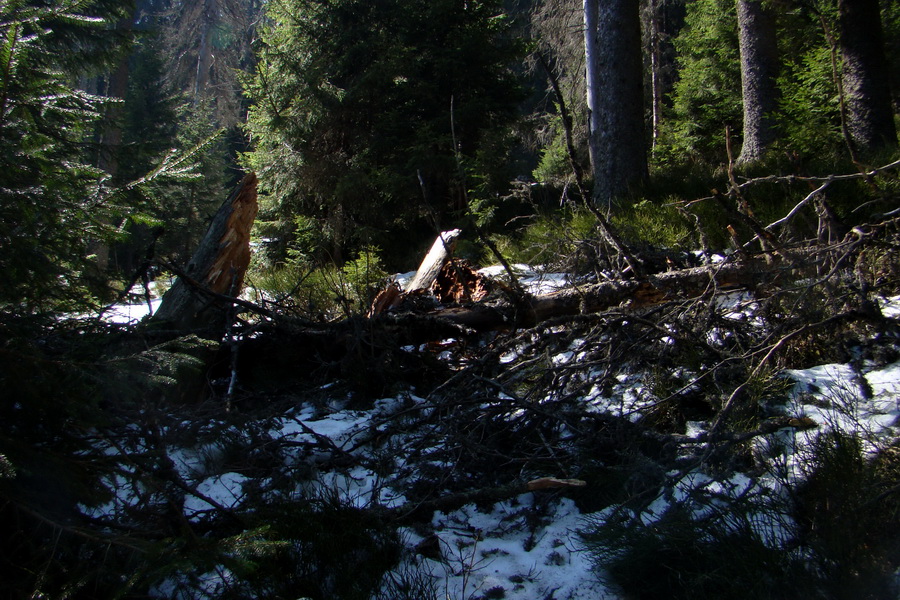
(372, 126)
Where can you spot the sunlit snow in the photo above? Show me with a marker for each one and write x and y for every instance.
(483, 549)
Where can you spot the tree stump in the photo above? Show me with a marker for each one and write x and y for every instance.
(217, 269)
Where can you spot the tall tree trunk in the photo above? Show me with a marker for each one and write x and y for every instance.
(612, 43)
(656, 88)
(759, 64)
(865, 76)
(204, 52)
(110, 142)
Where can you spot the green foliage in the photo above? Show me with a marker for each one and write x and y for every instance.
(49, 399)
(849, 516)
(707, 95)
(49, 205)
(828, 530)
(658, 224)
(56, 209)
(149, 113)
(167, 214)
(703, 554)
(554, 163)
(328, 539)
(809, 112)
(890, 23)
(551, 239)
(322, 290)
(358, 105)
(187, 205)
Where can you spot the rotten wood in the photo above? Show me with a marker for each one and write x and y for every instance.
(217, 268)
(459, 283)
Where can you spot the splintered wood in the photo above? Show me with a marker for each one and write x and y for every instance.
(217, 267)
(447, 279)
(441, 251)
(226, 274)
(458, 283)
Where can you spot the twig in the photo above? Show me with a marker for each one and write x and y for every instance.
(77, 530)
(798, 179)
(801, 204)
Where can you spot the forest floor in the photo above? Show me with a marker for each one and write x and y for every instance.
(625, 410)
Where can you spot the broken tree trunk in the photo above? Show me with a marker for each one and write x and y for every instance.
(217, 268)
(440, 253)
(433, 266)
(449, 280)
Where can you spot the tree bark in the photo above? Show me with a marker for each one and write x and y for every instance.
(217, 267)
(204, 51)
(656, 102)
(865, 75)
(612, 43)
(759, 64)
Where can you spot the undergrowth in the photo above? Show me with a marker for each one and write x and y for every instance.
(319, 290)
(676, 210)
(703, 479)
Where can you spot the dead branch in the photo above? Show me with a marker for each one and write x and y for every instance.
(412, 512)
(827, 179)
(630, 293)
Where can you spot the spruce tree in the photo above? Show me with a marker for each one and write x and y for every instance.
(51, 200)
(377, 118)
(707, 96)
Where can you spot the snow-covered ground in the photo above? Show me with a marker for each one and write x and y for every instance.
(535, 280)
(131, 313)
(502, 551)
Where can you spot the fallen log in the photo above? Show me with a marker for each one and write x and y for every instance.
(412, 324)
(626, 293)
(457, 292)
(217, 268)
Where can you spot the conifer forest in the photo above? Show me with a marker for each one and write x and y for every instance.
(449, 299)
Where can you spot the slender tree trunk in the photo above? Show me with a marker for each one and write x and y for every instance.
(592, 76)
(111, 135)
(865, 76)
(655, 73)
(759, 64)
(612, 42)
(204, 52)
